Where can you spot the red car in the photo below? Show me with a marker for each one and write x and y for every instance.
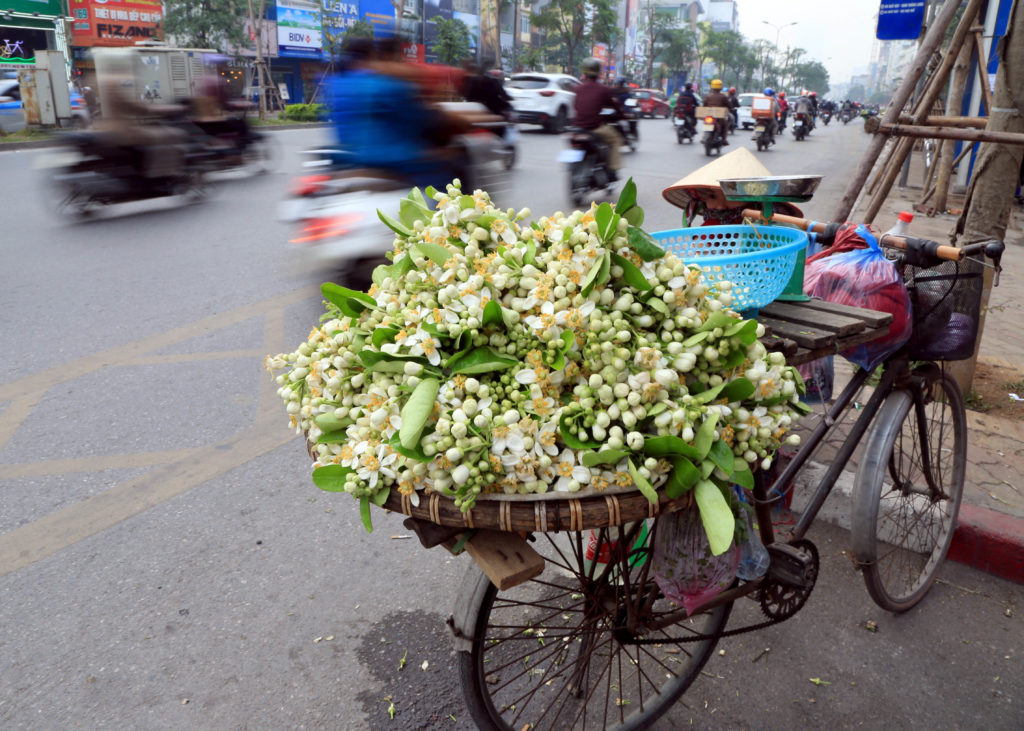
(651, 103)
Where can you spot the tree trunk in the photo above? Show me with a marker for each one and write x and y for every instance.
(997, 169)
(958, 81)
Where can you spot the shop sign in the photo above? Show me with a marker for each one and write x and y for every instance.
(298, 28)
(115, 22)
(43, 7)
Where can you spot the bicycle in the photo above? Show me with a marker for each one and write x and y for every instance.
(596, 645)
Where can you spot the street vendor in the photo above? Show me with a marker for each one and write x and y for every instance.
(699, 193)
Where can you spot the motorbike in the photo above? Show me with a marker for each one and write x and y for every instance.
(233, 144)
(95, 170)
(845, 116)
(762, 136)
(801, 125)
(826, 117)
(713, 138)
(587, 161)
(686, 129)
(333, 204)
(628, 129)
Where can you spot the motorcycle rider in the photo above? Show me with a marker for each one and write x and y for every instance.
(734, 106)
(769, 122)
(380, 120)
(591, 97)
(783, 110)
(686, 106)
(716, 98)
(622, 93)
(803, 106)
(812, 96)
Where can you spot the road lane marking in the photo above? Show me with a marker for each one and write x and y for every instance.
(98, 463)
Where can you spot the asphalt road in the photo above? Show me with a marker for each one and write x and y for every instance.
(165, 561)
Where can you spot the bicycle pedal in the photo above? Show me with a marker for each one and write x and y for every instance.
(791, 565)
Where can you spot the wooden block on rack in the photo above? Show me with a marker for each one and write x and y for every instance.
(804, 335)
(506, 558)
(842, 325)
(872, 318)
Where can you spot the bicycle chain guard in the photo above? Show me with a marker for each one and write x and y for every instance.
(791, 577)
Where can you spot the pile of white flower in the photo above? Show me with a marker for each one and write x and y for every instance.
(564, 355)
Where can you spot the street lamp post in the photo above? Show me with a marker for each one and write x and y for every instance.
(778, 31)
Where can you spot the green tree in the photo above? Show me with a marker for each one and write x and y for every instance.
(522, 58)
(573, 26)
(213, 24)
(678, 50)
(654, 27)
(811, 75)
(452, 44)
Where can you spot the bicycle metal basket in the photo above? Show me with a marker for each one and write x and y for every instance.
(946, 301)
(757, 260)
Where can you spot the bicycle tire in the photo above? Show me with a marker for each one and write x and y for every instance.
(554, 653)
(903, 523)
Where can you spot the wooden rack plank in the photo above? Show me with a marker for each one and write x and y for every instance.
(840, 324)
(872, 318)
(804, 335)
(806, 356)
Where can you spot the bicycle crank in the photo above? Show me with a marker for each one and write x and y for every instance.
(791, 577)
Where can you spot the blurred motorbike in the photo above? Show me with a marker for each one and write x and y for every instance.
(762, 136)
(587, 162)
(714, 138)
(826, 117)
(96, 170)
(686, 130)
(801, 125)
(233, 144)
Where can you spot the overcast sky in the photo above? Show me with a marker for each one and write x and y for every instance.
(839, 34)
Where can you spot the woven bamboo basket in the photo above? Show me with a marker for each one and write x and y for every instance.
(538, 513)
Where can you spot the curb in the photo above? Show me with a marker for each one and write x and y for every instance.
(985, 539)
(990, 541)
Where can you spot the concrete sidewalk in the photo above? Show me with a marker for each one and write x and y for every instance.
(990, 535)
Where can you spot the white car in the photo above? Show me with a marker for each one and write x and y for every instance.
(744, 118)
(544, 99)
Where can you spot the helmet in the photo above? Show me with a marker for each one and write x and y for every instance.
(782, 95)
(716, 84)
(813, 94)
(689, 86)
(591, 67)
(769, 91)
(732, 89)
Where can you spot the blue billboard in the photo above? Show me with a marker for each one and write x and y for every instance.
(900, 20)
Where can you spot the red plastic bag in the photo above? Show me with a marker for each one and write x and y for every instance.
(684, 568)
(864, 278)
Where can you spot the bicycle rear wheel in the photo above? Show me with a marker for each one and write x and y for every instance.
(908, 489)
(558, 652)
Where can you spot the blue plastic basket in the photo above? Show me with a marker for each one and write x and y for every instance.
(758, 261)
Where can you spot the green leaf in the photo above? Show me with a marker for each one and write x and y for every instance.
(658, 305)
(742, 475)
(631, 273)
(635, 216)
(416, 196)
(384, 334)
(349, 301)
(657, 409)
(803, 408)
(485, 221)
(717, 319)
(402, 266)
(707, 468)
(669, 446)
(568, 340)
(482, 360)
(435, 252)
(380, 273)
(705, 435)
(721, 454)
(331, 477)
(627, 197)
(570, 438)
(798, 381)
(738, 390)
(606, 456)
(409, 211)
(684, 476)
(643, 244)
(531, 252)
(364, 513)
(607, 221)
(466, 202)
(331, 422)
(394, 225)
(591, 279)
(417, 410)
(334, 437)
(698, 337)
(716, 515)
(745, 330)
(431, 191)
(642, 484)
(735, 357)
(492, 314)
(710, 394)
(416, 453)
(387, 362)
(381, 496)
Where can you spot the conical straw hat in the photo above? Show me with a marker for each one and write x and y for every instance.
(740, 163)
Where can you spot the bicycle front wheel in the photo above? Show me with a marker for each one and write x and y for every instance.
(582, 649)
(908, 489)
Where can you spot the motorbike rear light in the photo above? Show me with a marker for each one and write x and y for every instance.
(309, 184)
(547, 92)
(709, 120)
(317, 229)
